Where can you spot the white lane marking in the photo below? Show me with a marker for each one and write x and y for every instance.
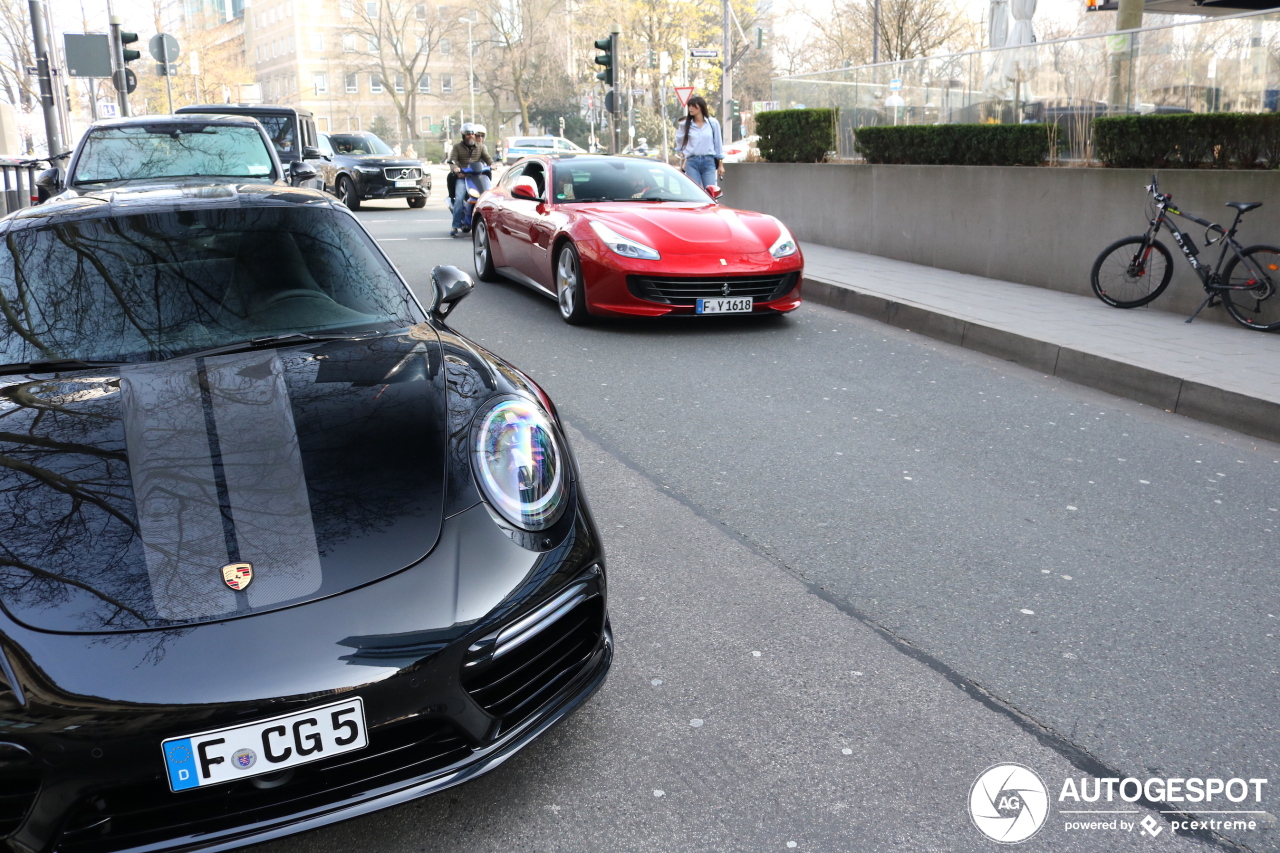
(391, 239)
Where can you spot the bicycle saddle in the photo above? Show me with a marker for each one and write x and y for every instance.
(1244, 206)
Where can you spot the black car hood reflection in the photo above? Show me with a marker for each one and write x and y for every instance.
(124, 492)
(383, 160)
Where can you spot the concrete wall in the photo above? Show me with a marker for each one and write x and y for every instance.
(1039, 226)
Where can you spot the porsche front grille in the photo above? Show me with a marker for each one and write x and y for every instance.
(513, 672)
(686, 291)
(148, 813)
(402, 173)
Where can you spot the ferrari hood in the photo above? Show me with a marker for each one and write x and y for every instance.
(692, 230)
(198, 489)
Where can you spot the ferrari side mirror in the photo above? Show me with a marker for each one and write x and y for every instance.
(525, 188)
(451, 285)
(715, 192)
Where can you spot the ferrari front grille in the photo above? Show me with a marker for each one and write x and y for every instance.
(149, 813)
(686, 291)
(513, 672)
(17, 793)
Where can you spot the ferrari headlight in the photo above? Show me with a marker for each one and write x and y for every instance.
(785, 245)
(624, 246)
(520, 464)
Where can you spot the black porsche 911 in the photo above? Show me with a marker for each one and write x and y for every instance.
(277, 547)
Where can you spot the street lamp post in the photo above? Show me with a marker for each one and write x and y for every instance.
(471, 66)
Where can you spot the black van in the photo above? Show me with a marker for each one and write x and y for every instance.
(293, 131)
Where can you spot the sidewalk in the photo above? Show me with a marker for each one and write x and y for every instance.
(1223, 374)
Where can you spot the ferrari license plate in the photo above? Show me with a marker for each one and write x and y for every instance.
(267, 746)
(733, 305)
(406, 183)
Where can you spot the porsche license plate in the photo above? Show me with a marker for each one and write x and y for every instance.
(733, 305)
(406, 183)
(238, 752)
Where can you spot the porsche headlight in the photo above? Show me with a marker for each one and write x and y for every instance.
(519, 462)
(785, 245)
(624, 246)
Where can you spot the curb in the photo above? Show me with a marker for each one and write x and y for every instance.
(1250, 415)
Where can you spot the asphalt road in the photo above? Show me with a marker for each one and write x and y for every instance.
(851, 569)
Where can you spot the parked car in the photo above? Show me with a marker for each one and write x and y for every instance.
(739, 150)
(520, 146)
(614, 236)
(170, 150)
(291, 129)
(281, 547)
(358, 166)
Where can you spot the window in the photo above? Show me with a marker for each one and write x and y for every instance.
(399, 84)
(375, 83)
(420, 11)
(353, 122)
(324, 128)
(424, 84)
(475, 86)
(442, 12)
(353, 84)
(291, 44)
(446, 84)
(371, 44)
(275, 48)
(257, 53)
(425, 123)
(346, 8)
(446, 46)
(317, 43)
(320, 82)
(371, 8)
(349, 44)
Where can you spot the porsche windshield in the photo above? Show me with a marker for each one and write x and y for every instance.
(586, 179)
(172, 151)
(152, 286)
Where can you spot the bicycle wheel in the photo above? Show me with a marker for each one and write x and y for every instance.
(1129, 273)
(1259, 306)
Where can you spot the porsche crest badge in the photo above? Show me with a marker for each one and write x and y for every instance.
(237, 575)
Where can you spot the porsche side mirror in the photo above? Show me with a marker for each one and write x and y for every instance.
(526, 189)
(311, 153)
(301, 171)
(451, 285)
(50, 180)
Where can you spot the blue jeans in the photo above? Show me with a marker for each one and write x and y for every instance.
(702, 168)
(481, 182)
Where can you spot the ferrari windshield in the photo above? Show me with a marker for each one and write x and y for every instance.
(172, 151)
(360, 143)
(590, 179)
(152, 286)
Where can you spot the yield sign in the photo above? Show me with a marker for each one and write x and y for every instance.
(683, 93)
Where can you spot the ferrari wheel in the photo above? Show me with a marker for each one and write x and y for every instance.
(482, 253)
(570, 293)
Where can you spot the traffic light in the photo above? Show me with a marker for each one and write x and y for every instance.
(129, 38)
(606, 59)
(653, 58)
(759, 38)
(735, 113)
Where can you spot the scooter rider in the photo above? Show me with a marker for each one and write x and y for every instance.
(465, 153)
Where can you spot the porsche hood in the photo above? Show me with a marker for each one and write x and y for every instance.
(692, 230)
(196, 489)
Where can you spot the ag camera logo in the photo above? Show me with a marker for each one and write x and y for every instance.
(1008, 803)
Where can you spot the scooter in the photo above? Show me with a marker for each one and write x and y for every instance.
(471, 175)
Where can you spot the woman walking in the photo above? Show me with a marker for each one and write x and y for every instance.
(699, 140)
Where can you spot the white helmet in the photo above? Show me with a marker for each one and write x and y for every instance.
(468, 127)
(479, 129)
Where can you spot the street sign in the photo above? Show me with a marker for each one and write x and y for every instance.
(32, 70)
(683, 93)
(108, 109)
(895, 84)
(162, 43)
(130, 81)
(765, 106)
(88, 54)
(704, 54)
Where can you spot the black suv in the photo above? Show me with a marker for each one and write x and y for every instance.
(292, 131)
(171, 151)
(359, 165)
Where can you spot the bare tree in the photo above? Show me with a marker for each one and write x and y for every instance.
(909, 29)
(394, 41)
(16, 54)
(521, 51)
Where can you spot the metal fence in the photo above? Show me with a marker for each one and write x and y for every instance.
(19, 184)
(1229, 64)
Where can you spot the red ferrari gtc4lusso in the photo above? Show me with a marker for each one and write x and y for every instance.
(626, 236)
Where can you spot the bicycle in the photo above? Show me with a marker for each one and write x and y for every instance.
(1135, 270)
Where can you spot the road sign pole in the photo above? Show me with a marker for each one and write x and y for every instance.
(726, 79)
(615, 34)
(53, 134)
(168, 71)
(119, 74)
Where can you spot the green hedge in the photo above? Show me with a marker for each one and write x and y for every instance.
(796, 136)
(1215, 140)
(956, 144)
